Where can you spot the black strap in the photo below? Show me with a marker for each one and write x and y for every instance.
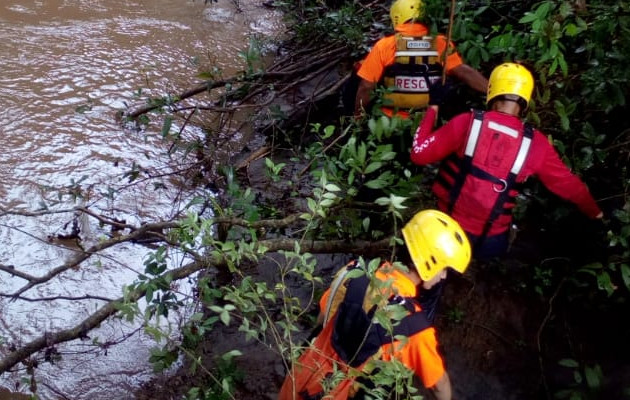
(481, 174)
(355, 337)
(316, 396)
(499, 205)
(410, 325)
(464, 169)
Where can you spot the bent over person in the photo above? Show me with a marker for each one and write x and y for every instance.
(338, 363)
(488, 155)
(407, 61)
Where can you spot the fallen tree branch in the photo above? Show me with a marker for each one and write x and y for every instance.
(53, 298)
(81, 256)
(325, 56)
(81, 329)
(154, 231)
(137, 234)
(4, 211)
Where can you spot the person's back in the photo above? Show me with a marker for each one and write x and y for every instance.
(351, 335)
(350, 340)
(406, 62)
(487, 155)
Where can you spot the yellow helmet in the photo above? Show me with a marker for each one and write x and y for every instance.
(511, 79)
(436, 241)
(402, 11)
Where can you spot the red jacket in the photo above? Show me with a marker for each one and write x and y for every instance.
(542, 161)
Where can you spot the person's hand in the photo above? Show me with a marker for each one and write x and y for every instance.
(438, 93)
(595, 235)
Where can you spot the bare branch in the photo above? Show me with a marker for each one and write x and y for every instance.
(81, 256)
(80, 330)
(4, 211)
(319, 59)
(53, 298)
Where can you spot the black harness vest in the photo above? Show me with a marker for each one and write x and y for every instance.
(356, 337)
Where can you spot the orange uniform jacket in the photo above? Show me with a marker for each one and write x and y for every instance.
(420, 353)
(383, 55)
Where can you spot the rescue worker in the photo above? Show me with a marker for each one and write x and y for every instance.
(351, 336)
(488, 155)
(405, 61)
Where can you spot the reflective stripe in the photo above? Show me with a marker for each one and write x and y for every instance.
(412, 53)
(473, 138)
(520, 157)
(334, 286)
(503, 129)
(475, 129)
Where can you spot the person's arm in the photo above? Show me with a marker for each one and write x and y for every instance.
(559, 179)
(421, 355)
(471, 77)
(442, 389)
(371, 71)
(431, 146)
(363, 97)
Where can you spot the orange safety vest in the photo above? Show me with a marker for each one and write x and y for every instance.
(416, 62)
(331, 366)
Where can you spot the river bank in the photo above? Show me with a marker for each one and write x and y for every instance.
(243, 247)
(69, 68)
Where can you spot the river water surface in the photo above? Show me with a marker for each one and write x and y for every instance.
(67, 68)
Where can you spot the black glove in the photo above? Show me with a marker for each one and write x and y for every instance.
(438, 93)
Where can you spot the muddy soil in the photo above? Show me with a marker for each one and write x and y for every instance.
(503, 326)
(487, 332)
(501, 340)
(487, 328)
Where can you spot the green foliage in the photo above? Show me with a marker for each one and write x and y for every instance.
(243, 198)
(157, 285)
(359, 182)
(253, 56)
(162, 358)
(587, 381)
(455, 315)
(612, 275)
(225, 376)
(606, 49)
(273, 170)
(371, 159)
(316, 20)
(542, 279)
(372, 165)
(249, 303)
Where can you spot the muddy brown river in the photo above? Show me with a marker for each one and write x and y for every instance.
(67, 68)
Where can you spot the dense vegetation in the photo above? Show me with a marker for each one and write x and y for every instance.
(354, 184)
(338, 185)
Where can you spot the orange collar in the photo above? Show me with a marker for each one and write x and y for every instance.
(403, 285)
(412, 29)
